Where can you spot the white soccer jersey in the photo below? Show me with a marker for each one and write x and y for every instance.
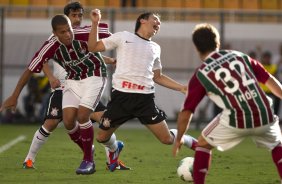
(136, 60)
(60, 73)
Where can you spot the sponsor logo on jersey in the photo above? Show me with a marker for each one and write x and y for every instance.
(130, 85)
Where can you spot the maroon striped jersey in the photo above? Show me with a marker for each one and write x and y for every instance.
(230, 79)
(78, 62)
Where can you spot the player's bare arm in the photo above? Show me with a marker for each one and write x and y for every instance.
(275, 86)
(183, 122)
(54, 82)
(11, 101)
(168, 82)
(94, 45)
(109, 60)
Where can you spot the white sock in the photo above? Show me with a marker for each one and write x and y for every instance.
(188, 140)
(111, 144)
(39, 138)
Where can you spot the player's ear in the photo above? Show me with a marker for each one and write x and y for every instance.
(142, 21)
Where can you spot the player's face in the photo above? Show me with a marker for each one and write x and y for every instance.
(76, 17)
(153, 24)
(64, 33)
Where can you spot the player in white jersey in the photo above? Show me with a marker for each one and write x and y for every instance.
(138, 68)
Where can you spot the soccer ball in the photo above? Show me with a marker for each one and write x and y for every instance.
(185, 169)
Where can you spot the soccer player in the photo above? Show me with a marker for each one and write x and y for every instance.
(79, 98)
(138, 68)
(95, 70)
(53, 116)
(230, 79)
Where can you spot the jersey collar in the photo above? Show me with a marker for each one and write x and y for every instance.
(141, 37)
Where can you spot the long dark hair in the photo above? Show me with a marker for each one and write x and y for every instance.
(145, 16)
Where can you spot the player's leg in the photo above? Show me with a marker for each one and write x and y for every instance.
(89, 98)
(111, 120)
(70, 106)
(277, 157)
(202, 161)
(269, 136)
(189, 141)
(166, 136)
(113, 147)
(86, 132)
(98, 112)
(213, 135)
(154, 119)
(39, 139)
(96, 117)
(53, 116)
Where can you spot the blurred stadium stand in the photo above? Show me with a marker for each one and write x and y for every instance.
(217, 4)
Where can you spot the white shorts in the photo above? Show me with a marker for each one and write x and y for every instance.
(225, 137)
(86, 92)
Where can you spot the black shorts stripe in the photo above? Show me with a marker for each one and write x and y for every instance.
(54, 108)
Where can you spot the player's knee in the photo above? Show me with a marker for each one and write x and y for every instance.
(82, 119)
(167, 140)
(203, 143)
(102, 139)
(69, 125)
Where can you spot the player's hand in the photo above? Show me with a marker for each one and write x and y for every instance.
(54, 82)
(9, 103)
(95, 16)
(184, 89)
(176, 147)
(114, 61)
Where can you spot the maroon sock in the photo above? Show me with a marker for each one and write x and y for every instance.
(277, 158)
(75, 136)
(201, 165)
(87, 133)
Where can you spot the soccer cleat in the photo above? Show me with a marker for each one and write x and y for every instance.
(86, 167)
(113, 157)
(121, 166)
(28, 164)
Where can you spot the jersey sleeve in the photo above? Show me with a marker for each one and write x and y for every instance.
(45, 53)
(260, 72)
(157, 62)
(196, 92)
(113, 41)
(82, 33)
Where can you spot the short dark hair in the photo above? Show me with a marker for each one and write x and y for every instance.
(146, 16)
(266, 54)
(206, 38)
(58, 20)
(74, 6)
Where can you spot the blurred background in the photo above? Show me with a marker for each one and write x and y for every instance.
(250, 26)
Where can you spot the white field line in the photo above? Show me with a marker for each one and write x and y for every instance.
(12, 143)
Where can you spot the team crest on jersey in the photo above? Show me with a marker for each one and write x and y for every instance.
(54, 111)
(83, 50)
(106, 122)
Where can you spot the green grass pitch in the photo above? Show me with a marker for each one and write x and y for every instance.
(151, 161)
